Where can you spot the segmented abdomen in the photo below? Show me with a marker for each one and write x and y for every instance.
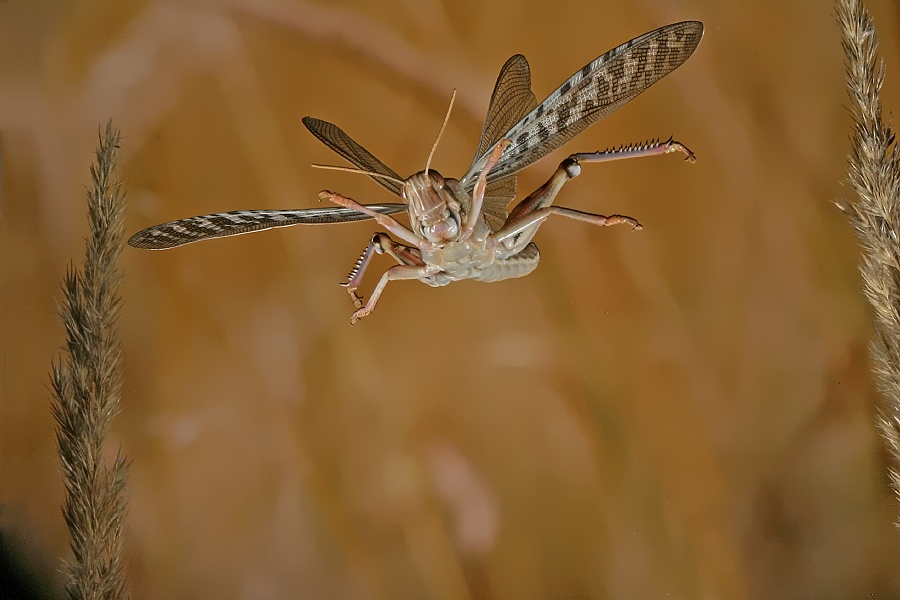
(518, 265)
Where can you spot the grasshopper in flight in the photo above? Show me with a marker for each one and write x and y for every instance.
(460, 229)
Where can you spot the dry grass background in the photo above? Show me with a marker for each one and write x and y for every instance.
(683, 412)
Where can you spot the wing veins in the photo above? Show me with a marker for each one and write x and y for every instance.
(224, 224)
(596, 90)
(511, 99)
(335, 138)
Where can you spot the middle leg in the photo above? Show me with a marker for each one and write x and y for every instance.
(533, 220)
(527, 216)
(396, 272)
(381, 243)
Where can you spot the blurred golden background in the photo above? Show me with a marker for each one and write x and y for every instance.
(683, 412)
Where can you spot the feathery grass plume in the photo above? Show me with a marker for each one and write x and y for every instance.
(87, 382)
(874, 173)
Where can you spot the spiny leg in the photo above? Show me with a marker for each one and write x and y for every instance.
(637, 151)
(380, 243)
(531, 212)
(356, 273)
(385, 221)
(393, 274)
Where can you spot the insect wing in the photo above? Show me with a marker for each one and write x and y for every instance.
(334, 137)
(595, 91)
(205, 227)
(511, 99)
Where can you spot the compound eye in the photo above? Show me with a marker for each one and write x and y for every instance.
(437, 182)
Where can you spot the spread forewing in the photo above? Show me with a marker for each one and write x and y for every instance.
(204, 227)
(595, 91)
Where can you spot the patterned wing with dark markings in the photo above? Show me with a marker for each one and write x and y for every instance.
(204, 227)
(595, 91)
(511, 100)
(334, 137)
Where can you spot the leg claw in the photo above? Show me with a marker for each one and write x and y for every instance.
(359, 314)
(357, 299)
(336, 199)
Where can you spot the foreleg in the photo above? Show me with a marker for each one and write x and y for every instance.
(389, 223)
(479, 190)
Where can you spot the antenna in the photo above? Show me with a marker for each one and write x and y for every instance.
(354, 170)
(441, 132)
